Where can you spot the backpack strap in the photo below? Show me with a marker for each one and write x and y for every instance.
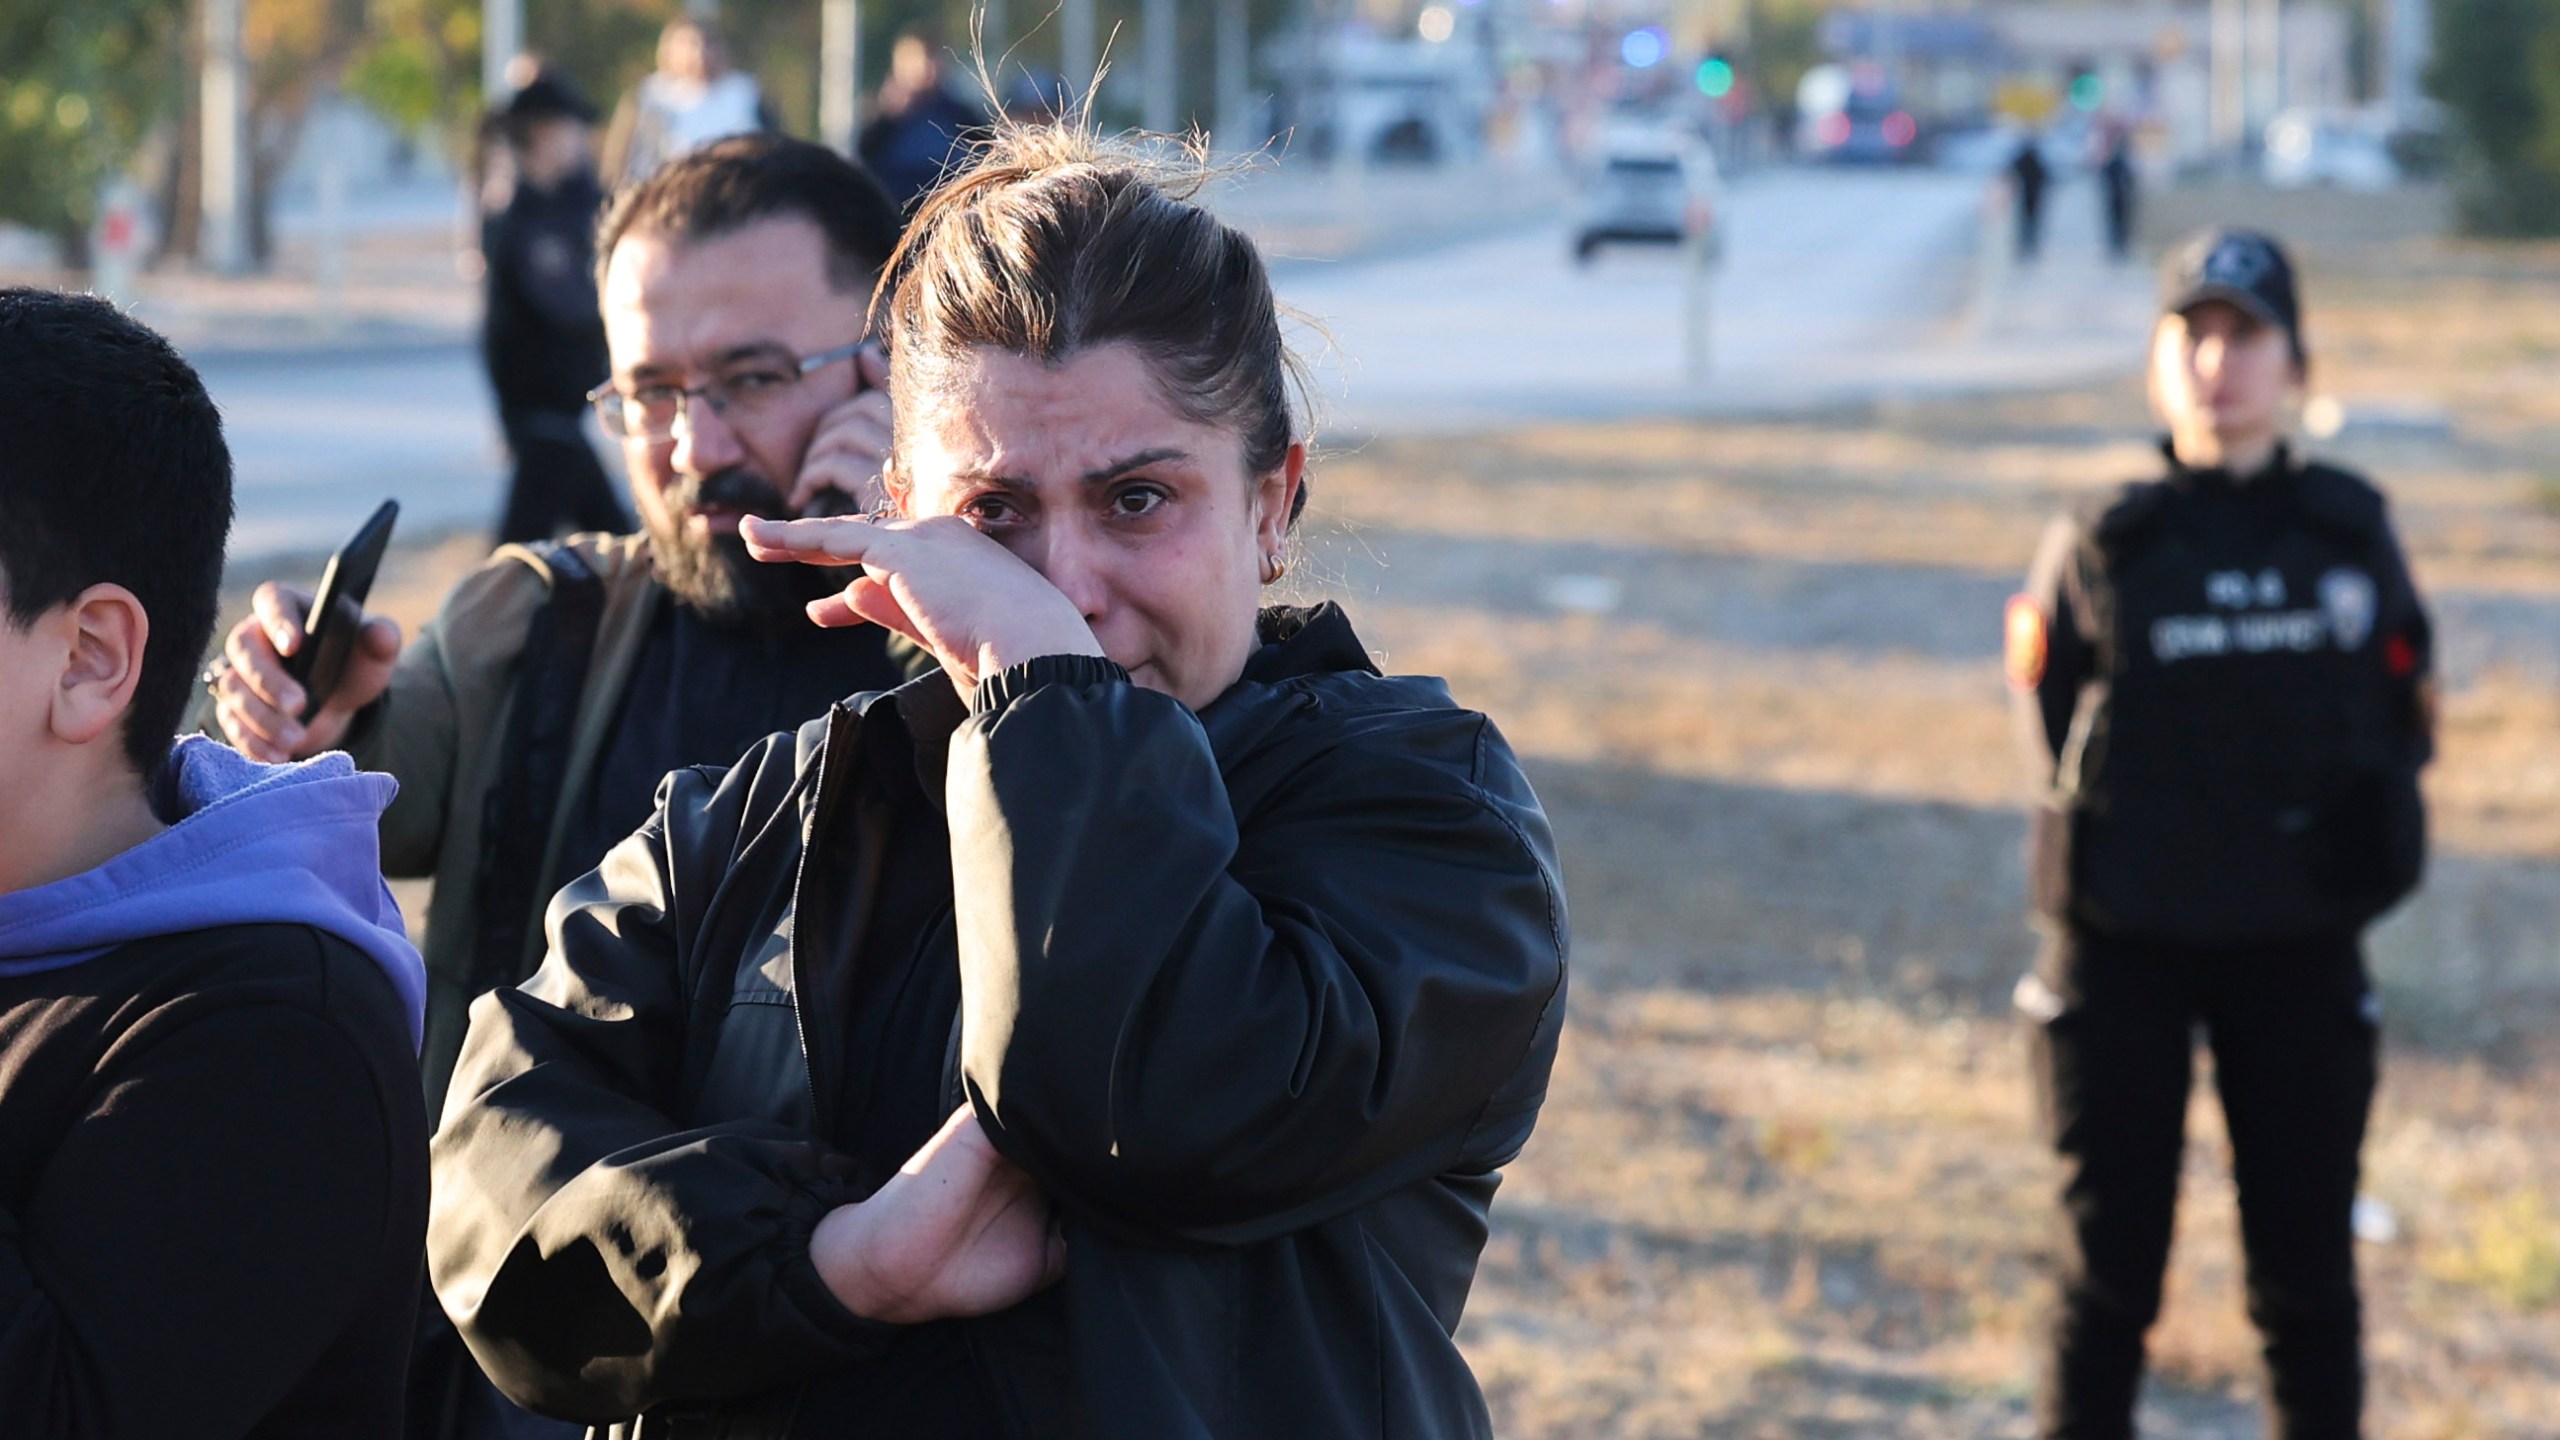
(516, 818)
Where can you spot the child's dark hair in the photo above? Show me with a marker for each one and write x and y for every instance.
(116, 473)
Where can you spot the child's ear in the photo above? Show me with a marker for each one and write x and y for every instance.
(108, 629)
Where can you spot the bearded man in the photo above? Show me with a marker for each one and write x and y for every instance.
(530, 724)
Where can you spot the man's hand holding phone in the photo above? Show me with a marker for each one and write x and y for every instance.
(850, 448)
(259, 705)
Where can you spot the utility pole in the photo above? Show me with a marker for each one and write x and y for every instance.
(225, 96)
(1235, 65)
(2412, 45)
(1077, 53)
(993, 36)
(1160, 44)
(839, 73)
(2266, 63)
(2230, 43)
(501, 36)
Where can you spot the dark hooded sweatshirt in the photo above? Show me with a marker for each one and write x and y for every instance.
(212, 1147)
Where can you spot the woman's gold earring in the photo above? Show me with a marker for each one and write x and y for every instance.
(1273, 567)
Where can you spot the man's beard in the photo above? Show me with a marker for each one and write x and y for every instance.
(713, 574)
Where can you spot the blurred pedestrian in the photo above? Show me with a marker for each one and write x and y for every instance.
(541, 337)
(693, 98)
(2027, 180)
(213, 1161)
(1160, 949)
(2117, 184)
(2222, 678)
(1036, 96)
(920, 128)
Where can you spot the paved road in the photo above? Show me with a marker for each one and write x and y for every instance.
(317, 441)
(1817, 265)
(1831, 280)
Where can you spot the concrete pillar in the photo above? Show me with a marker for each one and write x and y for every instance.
(1077, 53)
(2230, 44)
(839, 73)
(225, 96)
(501, 36)
(993, 35)
(2410, 48)
(1235, 79)
(1159, 43)
(2266, 65)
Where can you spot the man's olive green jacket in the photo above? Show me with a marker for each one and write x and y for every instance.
(441, 731)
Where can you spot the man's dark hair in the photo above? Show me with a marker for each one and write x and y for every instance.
(116, 473)
(731, 184)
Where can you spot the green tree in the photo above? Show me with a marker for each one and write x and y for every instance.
(84, 83)
(2497, 70)
(1785, 43)
(419, 62)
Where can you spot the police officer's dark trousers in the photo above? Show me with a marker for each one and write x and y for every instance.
(2294, 1050)
(557, 478)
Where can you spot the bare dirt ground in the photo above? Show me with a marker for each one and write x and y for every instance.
(1786, 1184)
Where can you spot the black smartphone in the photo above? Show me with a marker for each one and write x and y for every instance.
(337, 612)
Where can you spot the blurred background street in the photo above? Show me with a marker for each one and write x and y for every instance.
(1686, 393)
(1836, 285)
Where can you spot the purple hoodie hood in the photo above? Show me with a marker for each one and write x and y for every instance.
(248, 844)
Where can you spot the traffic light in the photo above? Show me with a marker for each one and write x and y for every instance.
(2088, 91)
(1715, 77)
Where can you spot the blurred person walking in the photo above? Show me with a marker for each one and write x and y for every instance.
(2028, 178)
(921, 129)
(692, 99)
(541, 337)
(2222, 682)
(2118, 189)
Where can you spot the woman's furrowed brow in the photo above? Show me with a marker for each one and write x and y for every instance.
(1118, 468)
(1103, 476)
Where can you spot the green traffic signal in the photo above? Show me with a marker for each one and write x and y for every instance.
(1715, 77)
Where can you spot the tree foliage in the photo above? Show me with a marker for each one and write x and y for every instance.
(2497, 71)
(1785, 43)
(92, 87)
(84, 83)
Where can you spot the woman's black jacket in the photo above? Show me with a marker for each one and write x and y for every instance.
(1262, 998)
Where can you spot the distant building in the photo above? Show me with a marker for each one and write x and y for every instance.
(2150, 61)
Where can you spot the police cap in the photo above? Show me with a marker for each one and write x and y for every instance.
(2239, 267)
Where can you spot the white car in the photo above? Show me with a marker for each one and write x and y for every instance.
(1652, 191)
(2305, 148)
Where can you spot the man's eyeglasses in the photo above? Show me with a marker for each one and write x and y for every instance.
(742, 392)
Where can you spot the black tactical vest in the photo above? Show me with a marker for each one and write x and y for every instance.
(2242, 766)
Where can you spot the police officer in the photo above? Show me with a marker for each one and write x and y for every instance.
(543, 339)
(2222, 675)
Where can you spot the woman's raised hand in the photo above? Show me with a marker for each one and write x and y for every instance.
(938, 581)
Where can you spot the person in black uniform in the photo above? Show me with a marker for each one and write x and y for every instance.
(2117, 189)
(2027, 179)
(543, 339)
(2222, 676)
